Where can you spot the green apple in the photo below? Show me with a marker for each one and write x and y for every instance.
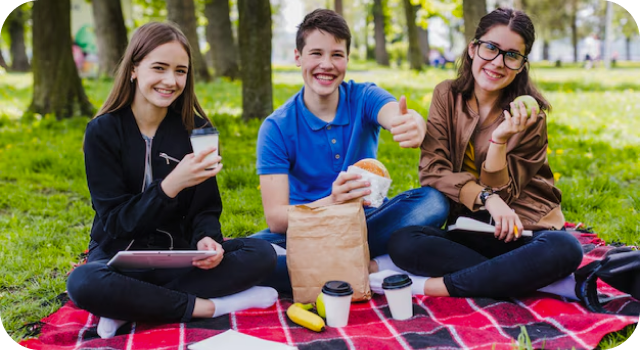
(529, 104)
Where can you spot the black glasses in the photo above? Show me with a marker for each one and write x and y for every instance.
(488, 52)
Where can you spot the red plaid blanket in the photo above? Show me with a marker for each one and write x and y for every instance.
(438, 323)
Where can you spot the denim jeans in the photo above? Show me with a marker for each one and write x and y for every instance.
(168, 295)
(478, 265)
(421, 206)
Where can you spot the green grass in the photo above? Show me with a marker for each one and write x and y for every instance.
(45, 211)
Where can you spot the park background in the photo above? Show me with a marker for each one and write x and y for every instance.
(45, 211)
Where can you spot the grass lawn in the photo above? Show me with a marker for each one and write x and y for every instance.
(45, 210)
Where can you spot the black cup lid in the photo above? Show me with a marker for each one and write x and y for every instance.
(204, 131)
(337, 288)
(396, 281)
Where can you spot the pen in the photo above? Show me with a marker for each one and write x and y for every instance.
(515, 231)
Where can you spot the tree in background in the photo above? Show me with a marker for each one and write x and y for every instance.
(627, 25)
(254, 38)
(379, 22)
(473, 10)
(15, 25)
(337, 6)
(57, 88)
(415, 55)
(111, 34)
(220, 39)
(183, 13)
(550, 21)
(3, 63)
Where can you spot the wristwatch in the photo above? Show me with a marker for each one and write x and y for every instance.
(484, 194)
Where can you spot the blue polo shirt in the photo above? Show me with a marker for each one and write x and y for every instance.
(311, 151)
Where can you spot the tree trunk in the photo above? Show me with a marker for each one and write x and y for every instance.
(545, 49)
(473, 11)
(57, 88)
(423, 41)
(628, 47)
(574, 29)
(414, 55)
(111, 34)
(382, 56)
(337, 5)
(254, 38)
(183, 13)
(3, 63)
(220, 37)
(15, 22)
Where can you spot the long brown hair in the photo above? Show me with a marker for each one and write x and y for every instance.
(519, 23)
(144, 40)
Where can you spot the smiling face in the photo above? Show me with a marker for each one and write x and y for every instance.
(493, 76)
(161, 76)
(323, 61)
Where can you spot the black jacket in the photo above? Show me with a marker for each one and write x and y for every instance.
(115, 163)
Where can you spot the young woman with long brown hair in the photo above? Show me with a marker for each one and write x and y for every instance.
(150, 191)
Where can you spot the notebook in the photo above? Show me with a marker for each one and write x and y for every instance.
(468, 224)
(238, 341)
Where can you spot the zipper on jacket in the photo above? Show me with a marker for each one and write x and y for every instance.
(168, 157)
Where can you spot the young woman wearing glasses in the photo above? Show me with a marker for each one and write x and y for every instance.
(492, 165)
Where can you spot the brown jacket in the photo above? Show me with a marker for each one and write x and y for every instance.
(525, 184)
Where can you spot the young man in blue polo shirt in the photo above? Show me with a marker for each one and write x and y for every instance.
(306, 145)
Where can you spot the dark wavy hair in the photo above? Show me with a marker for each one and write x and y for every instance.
(144, 40)
(520, 24)
(325, 21)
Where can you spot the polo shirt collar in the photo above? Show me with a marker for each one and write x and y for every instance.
(315, 123)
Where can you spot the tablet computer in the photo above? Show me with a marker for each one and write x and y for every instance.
(158, 259)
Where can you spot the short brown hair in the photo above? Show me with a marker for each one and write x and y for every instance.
(325, 21)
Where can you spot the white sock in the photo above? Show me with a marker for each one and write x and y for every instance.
(279, 250)
(565, 287)
(417, 288)
(107, 327)
(260, 297)
(385, 263)
(375, 282)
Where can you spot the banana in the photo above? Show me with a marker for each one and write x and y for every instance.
(299, 314)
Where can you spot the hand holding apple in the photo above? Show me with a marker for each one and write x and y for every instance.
(524, 112)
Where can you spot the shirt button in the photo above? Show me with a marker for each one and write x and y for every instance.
(337, 156)
(328, 127)
(333, 141)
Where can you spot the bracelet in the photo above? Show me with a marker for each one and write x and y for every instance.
(497, 143)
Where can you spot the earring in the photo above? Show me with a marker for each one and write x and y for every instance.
(132, 79)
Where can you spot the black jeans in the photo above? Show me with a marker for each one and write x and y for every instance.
(168, 295)
(479, 265)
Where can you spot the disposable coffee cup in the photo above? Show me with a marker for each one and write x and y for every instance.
(205, 138)
(337, 302)
(397, 290)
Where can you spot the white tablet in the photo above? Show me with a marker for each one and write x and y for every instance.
(159, 259)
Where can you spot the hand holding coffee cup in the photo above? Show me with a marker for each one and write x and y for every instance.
(204, 138)
(337, 302)
(191, 171)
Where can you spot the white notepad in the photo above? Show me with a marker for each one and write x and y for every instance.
(238, 341)
(468, 224)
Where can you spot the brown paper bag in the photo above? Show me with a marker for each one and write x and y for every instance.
(328, 243)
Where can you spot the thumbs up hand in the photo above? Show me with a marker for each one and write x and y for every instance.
(408, 127)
